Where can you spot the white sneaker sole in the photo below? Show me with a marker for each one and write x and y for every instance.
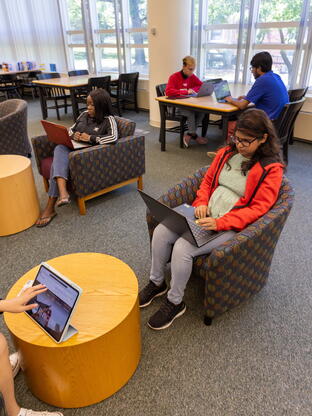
(156, 296)
(169, 323)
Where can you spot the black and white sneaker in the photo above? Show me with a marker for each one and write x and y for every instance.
(167, 313)
(151, 291)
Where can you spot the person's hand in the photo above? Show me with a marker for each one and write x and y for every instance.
(19, 303)
(241, 97)
(229, 99)
(201, 211)
(190, 91)
(77, 135)
(84, 137)
(208, 223)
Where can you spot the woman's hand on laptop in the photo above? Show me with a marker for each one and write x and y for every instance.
(84, 137)
(19, 303)
(190, 91)
(229, 99)
(76, 136)
(201, 211)
(207, 223)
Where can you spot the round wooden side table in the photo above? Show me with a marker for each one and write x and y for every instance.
(19, 207)
(102, 357)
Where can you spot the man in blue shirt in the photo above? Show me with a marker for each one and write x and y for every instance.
(268, 93)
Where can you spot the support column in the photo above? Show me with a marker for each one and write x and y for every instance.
(169, 40)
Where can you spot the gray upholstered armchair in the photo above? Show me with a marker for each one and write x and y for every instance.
(240, 267)
(13, 126)
(98, 169)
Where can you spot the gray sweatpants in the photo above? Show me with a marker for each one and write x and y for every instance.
(164, 243)
(59, 168)
(194, 118)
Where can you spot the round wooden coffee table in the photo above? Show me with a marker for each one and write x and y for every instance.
(101, 358)
(19, 207)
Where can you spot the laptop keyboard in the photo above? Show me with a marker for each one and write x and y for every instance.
(198, 231)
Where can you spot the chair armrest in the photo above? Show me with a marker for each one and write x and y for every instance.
(182, 193)
(42, 149)
(98, 167)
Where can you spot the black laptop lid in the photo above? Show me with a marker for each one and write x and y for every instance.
(167, 216)
(222, 90)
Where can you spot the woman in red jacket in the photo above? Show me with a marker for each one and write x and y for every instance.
(185, 82)
(240, 186)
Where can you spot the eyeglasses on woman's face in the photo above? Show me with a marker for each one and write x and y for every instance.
(242, 141)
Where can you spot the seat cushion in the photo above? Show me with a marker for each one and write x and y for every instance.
(46, 167)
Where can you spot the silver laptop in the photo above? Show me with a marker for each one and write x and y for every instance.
(222, 90)
(205, 90)
(56, 305)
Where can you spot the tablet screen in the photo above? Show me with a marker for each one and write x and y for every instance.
(55, 305)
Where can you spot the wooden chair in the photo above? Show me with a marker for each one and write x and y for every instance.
(285, 124)
(26, 83)
(55, 94)
(296, 95)
(9, 86)
(78, 72)
(171, 115)
(125, 91)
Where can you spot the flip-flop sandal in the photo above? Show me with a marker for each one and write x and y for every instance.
(50, 218)
(63, 201)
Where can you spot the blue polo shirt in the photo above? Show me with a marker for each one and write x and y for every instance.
(269, 94)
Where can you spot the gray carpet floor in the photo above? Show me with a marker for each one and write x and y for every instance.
(253, 361)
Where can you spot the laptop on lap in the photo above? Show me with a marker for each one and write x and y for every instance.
(58, 134)
(181, 220)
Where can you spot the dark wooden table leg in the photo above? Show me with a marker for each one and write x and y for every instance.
(205, 124)
(44, 110)
(225, 122)
(162, 132)
(74, 104)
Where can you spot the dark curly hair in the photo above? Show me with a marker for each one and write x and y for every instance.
(255, 123)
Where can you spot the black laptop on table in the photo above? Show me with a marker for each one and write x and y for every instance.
(222, 90)
(181, 220)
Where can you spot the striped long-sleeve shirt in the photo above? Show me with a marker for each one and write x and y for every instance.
(103, 133)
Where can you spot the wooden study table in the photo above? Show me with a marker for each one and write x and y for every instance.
(68, 83)
(208, 105)
(101, 358)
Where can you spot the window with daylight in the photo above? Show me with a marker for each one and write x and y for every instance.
(226, 34)
(74, 34)
(115, 30)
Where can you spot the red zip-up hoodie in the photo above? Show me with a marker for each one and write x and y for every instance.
(262, 187)
(179, 84)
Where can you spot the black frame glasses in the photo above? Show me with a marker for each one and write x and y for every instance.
(243, 142)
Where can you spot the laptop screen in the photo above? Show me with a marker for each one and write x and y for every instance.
(55, 305)
(222, 90)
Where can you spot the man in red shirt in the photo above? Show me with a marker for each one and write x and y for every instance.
(184, 82)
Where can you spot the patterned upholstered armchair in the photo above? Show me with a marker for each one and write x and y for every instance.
(240, 267)
(98, 169)
(13, 127)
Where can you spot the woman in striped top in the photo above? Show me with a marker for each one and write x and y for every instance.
(95, 126)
